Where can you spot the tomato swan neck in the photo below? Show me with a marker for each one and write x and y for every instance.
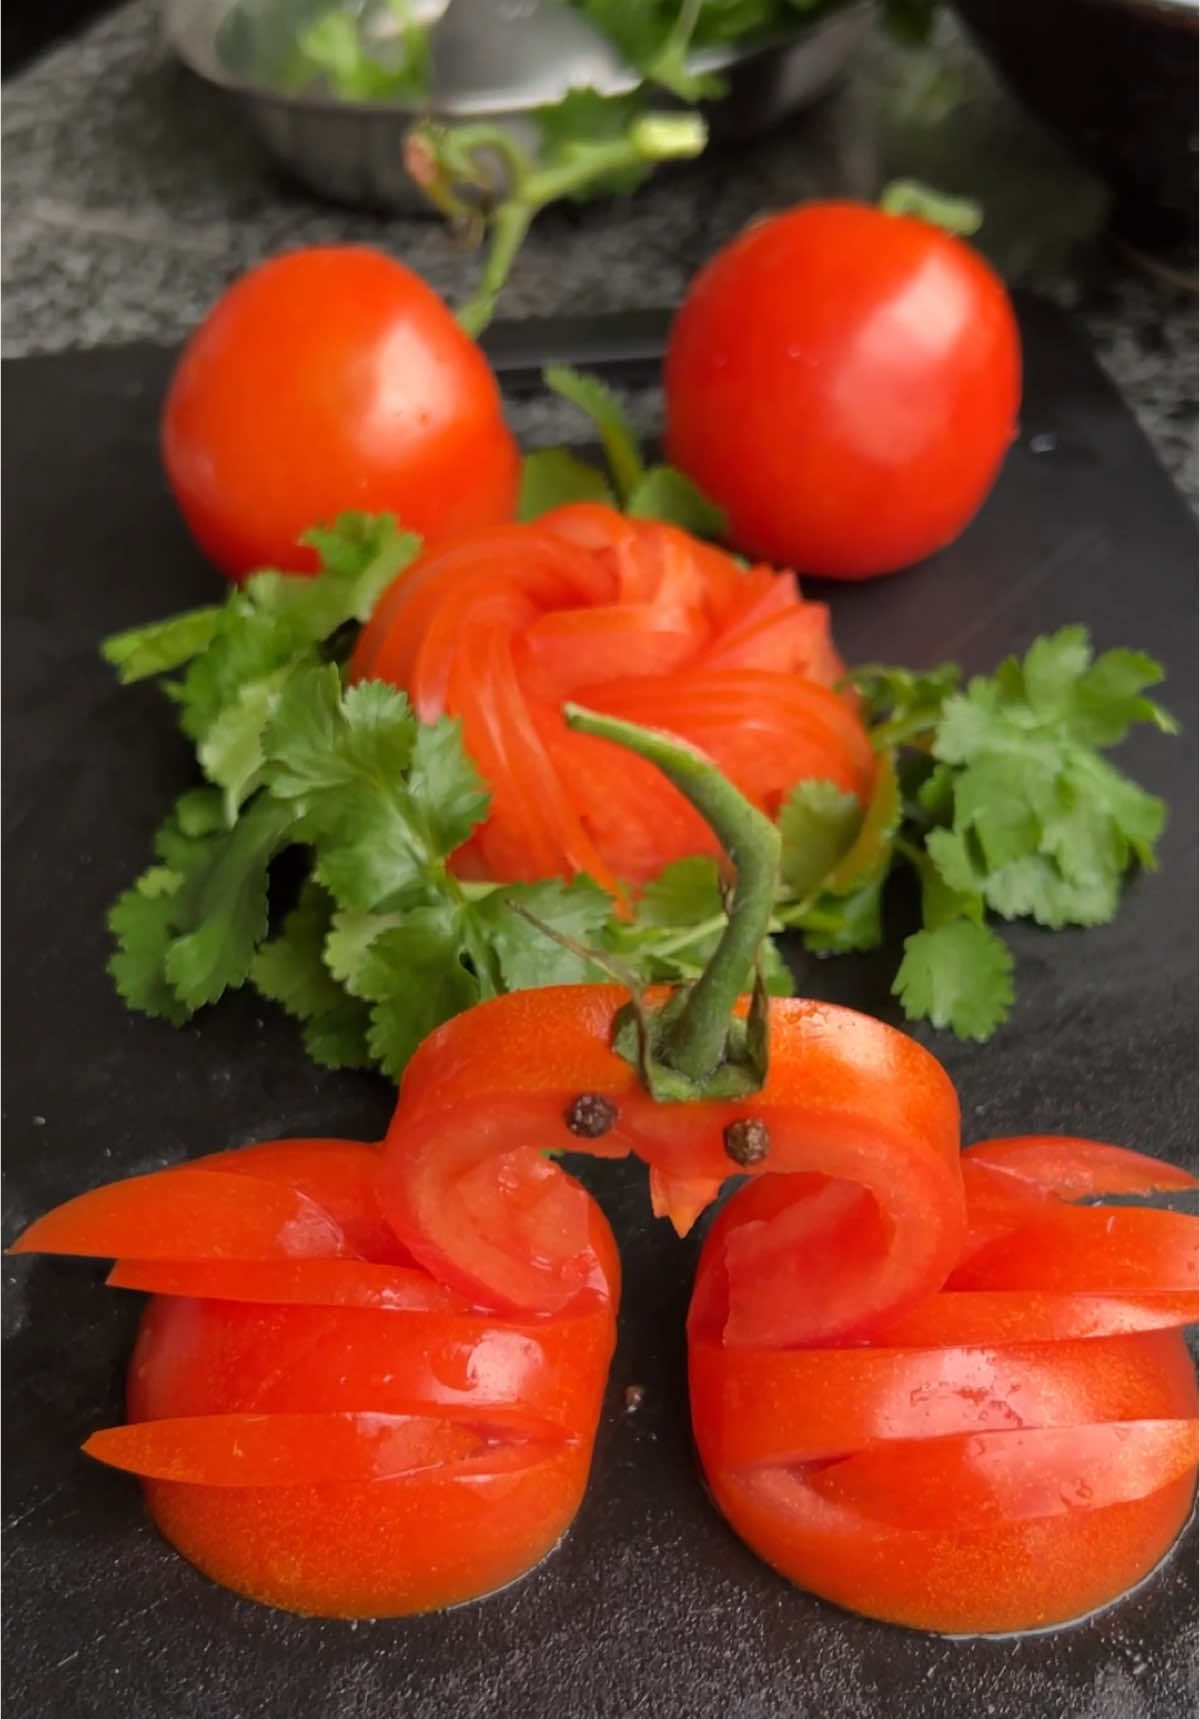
(695, 1046)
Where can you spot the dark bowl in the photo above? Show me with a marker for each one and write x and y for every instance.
(1117, 79)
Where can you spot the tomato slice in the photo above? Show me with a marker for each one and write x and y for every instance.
(984, 1479)
(340, 1175)
(506, 1226)
(299, 1449)
(758, 1407)
(208, 1357)
(189, 1214)
(1033, 1316)
(313, 1282)
(1102, 1249)
(1077, 1169)
(765, 731)
(847, 1100)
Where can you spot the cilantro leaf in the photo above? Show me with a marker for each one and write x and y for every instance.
(384, 798)
(162, 645)
(552, 477)
(274, 623)
(685, 893)
(818, 822)
(666, 494)
(847, 922)
(446, 789)
(527, 958)
(220, 909)
(290, 970)
(140, 921)
(957, 976)
(188, 928)
(1042, 826)
(414, 976)
(605, 410)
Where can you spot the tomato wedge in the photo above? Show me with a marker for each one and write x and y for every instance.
(499, 628)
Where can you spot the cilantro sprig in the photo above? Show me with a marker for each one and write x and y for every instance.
(382, 941)
(996, 796)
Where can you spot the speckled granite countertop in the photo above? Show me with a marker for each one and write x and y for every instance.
(133, 194)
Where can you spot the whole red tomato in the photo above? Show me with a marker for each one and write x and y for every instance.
(325, 380)
(844, 383)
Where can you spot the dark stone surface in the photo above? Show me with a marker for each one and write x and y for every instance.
(651, 1607)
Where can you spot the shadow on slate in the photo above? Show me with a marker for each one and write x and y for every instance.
(651, 1607)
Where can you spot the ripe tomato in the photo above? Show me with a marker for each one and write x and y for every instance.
(1005, 1454)
(844, 383)
(318, 1422)
(325, 380)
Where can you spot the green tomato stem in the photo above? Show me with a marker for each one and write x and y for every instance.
(696, 1040)
(958, 215)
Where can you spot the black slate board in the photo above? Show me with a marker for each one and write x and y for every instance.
(651, 1607)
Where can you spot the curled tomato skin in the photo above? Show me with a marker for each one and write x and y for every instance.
(324, 380)
(847, 1098)
(639, 620)
(845, 384)
(319, 1423)
(994, 1458)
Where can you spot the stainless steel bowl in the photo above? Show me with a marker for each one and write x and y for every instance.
(353, 152)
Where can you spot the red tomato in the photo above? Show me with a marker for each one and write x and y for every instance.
(844, 383)
(318, 1422)
(1004, 1454)
(326, 380)
(633, 618)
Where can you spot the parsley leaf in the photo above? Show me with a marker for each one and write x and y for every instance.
(605, 410)
(552, 477)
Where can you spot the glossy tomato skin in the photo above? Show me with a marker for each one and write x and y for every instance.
(325, 380)
(845, 384)
(999, 1484)
(320, 1423)
(411, 1543)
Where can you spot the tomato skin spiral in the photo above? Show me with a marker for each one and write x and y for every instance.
(629, 617)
